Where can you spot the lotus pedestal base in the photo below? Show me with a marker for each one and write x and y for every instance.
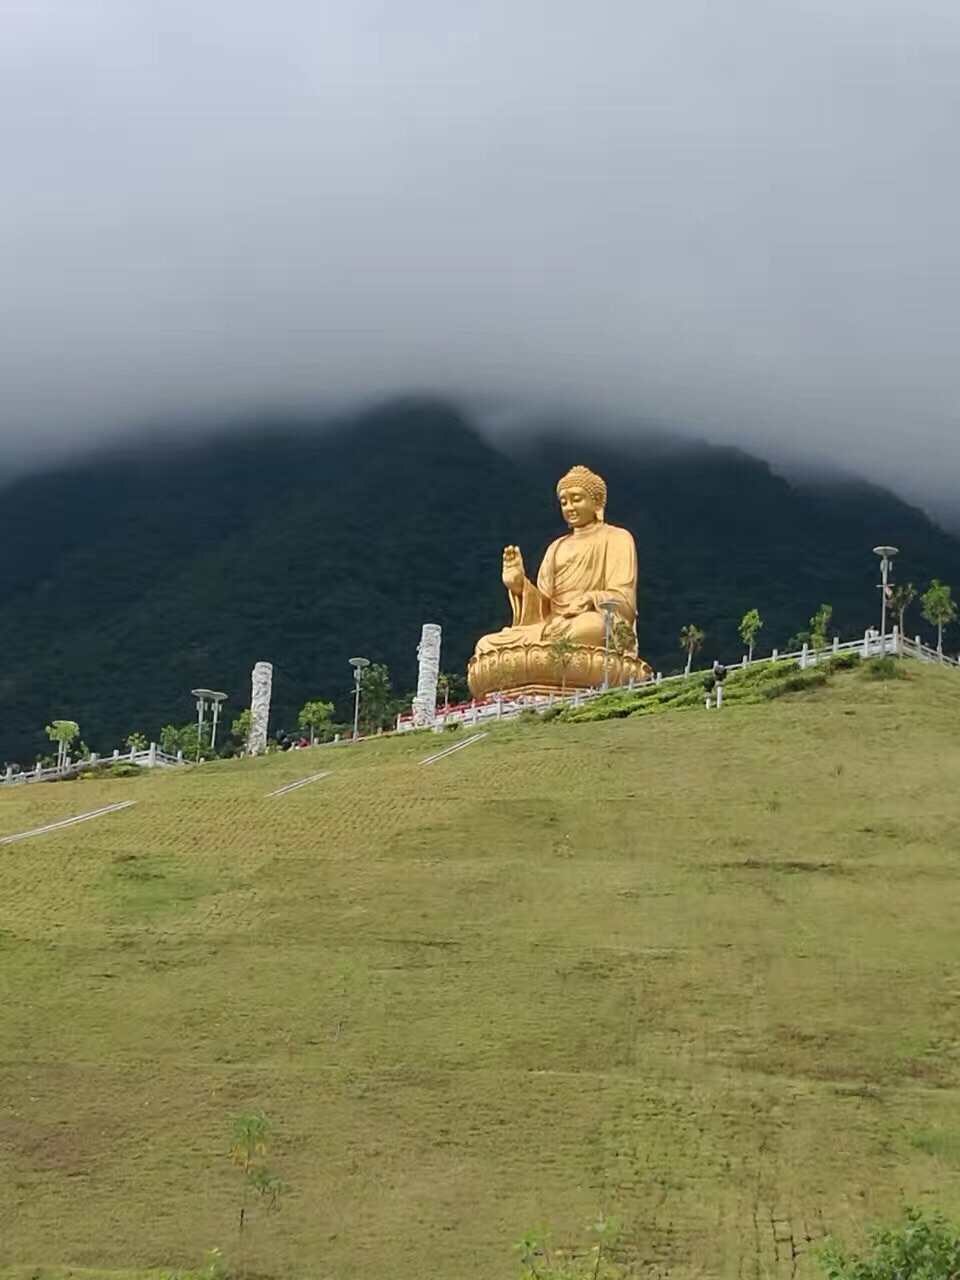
(531, 669)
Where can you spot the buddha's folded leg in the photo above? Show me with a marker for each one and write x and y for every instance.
(511, 636)
(585, 628)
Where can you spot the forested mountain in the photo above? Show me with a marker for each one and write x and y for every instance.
(127, 579)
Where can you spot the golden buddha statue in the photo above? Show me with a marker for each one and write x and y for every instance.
(588, 573)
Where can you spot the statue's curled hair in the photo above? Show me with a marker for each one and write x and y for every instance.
(587, 480)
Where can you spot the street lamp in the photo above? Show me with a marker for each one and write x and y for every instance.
(886, 555)
(359, 666)
(213, 699)
(609, 608)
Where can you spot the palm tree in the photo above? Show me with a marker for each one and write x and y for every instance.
(443, 686)
(691, 638)
(562, 653)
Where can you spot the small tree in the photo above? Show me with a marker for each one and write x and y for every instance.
(248, 1152)
(375, 696)
(313, 717)
(500, 674)
(691, 638)
(562, 653)
(62, 732)
(820, 626)
(623, 638)
(901, 598)
(137, 742)
(751, 625)
(939, 609)
(240, 729)
(452, 687)
(174, 740)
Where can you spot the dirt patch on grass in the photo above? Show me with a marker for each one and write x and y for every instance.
(59, 1148)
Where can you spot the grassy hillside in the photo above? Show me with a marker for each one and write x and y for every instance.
(698, 970)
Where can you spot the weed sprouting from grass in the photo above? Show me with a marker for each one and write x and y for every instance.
(540, 1259)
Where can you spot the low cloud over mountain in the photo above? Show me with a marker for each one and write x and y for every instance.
(739, 220)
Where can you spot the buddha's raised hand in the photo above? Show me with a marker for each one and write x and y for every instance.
(514, 575)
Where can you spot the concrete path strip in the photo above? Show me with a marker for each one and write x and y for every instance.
(442, 755)
(301, 782)
(68, 822)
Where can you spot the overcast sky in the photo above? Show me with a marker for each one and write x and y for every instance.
(741, 216)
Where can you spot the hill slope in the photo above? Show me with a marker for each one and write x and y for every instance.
(697, 970)
(129, 579)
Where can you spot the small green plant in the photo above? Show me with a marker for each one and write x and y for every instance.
(452, 726)
(541, 1260)
(248, 1153)
(923, 1247)
(885, 668)
(119, 769)
(137, 742)
(213, 1269)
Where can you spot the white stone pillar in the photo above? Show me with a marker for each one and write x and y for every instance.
(260, 694)
(428, 674)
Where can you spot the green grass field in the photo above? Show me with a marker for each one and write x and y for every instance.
(701, 971)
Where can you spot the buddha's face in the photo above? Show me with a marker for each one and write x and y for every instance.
(577, 508)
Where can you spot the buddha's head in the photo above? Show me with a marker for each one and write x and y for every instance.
(583, 497)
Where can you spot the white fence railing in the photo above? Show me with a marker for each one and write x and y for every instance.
(149, 758)
(870, 645)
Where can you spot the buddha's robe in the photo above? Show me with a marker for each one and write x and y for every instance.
(584, 568)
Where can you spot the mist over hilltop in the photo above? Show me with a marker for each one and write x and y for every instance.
(738, 221)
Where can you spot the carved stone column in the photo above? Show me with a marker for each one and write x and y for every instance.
(260, 708)
(428, 655)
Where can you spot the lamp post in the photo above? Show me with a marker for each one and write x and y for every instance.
(359, 666)
(609, 608)
(213, 699)
(886, 555)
